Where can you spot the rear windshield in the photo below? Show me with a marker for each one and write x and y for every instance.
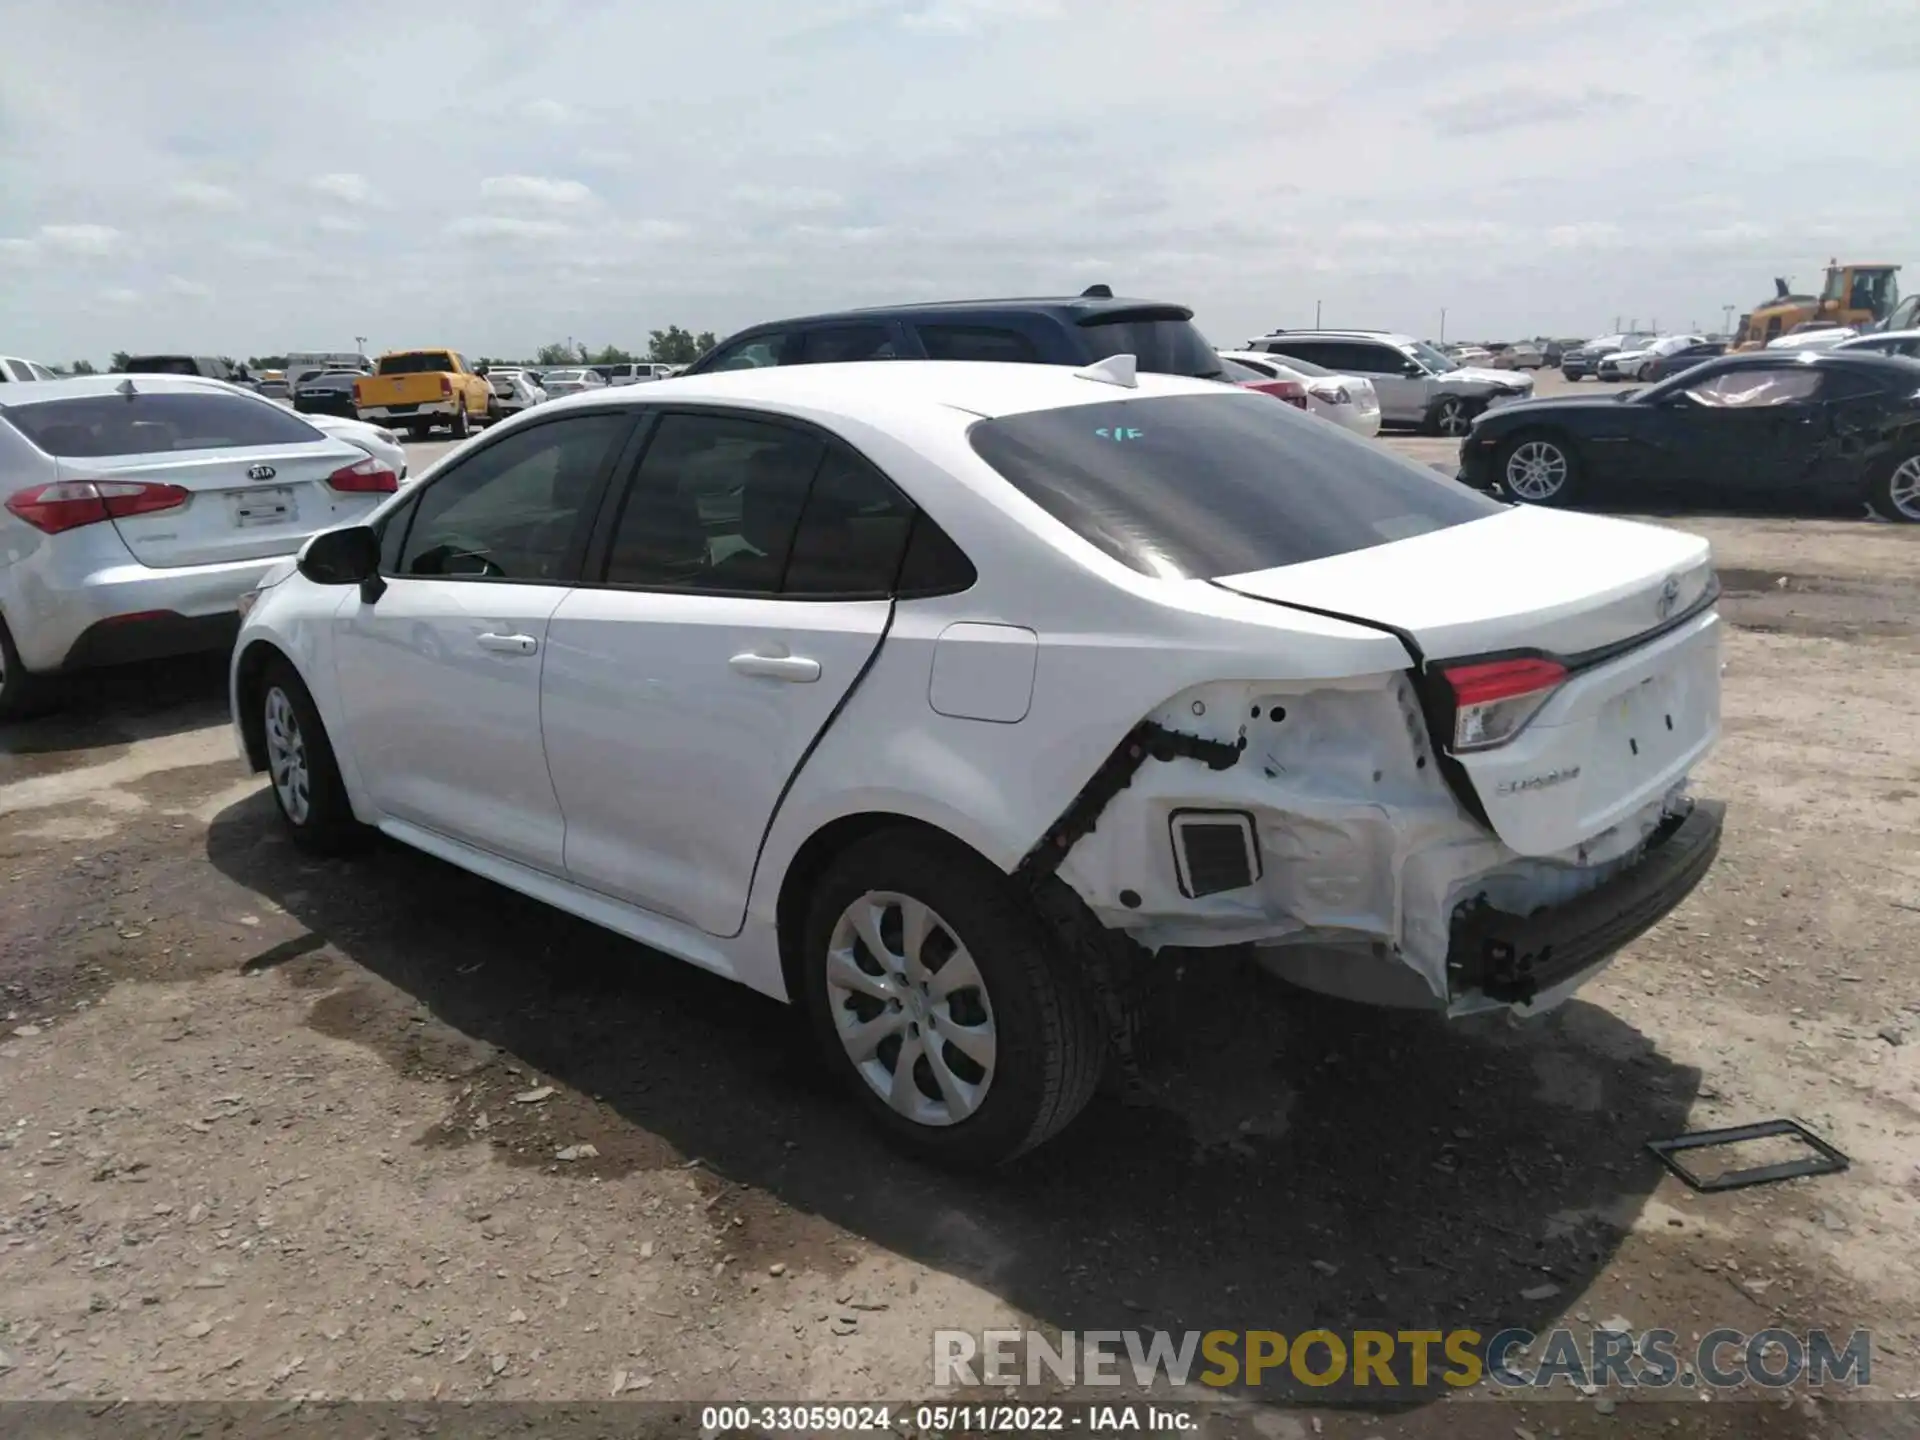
(102, 426)
(1200, 486)
(427, 362)
(162, 365)
(1165, 347)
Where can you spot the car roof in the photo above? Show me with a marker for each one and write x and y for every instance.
(857, 389)
(1072, 307)
(80, 386)
(1824, 358)
(1390, 337)
(1865, 342)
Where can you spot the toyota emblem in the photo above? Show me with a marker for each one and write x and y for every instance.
(267, 472)
(1669, 596)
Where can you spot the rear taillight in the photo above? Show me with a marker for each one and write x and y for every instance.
(1493, 701)
(359, 391)
(1291, 391)
(446, 387)
(1332, 394)
(369, 477)
(70, 504)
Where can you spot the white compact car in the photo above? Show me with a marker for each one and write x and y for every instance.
(514, 391)
(1347, 400)
(937, 698)
(378, 441)
(571, 382)
(139, 508)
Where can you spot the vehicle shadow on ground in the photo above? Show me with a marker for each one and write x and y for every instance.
(1301, 1163)
(116, 706)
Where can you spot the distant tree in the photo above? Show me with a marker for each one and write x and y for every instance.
(119, 360)
(609, 355)
(554, 355)
(707, 341)
(674, 346)
(266, 362)
(82, 367)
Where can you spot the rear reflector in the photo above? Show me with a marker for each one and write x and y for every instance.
(70, 504)
(1493, 701)
(369, 477)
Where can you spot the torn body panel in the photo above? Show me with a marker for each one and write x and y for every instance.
(1363, 853)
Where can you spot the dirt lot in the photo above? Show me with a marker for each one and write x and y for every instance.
(273, 1128)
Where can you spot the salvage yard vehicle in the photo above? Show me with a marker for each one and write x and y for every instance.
(139, 508)
(1581, 361)
(936, 699)
(1821, 427)
(1416, 384)
(415, 390)
(1347, 400)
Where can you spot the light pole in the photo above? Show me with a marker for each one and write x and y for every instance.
(1443, 324)
(359, 344)
(1316, 314)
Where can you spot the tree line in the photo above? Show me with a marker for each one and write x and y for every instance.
(671, 346)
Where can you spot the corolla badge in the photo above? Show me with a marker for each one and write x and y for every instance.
(1669, 597)
(265, 472)
(1527, 784)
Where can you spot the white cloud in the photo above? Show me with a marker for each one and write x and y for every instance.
(549, 112)
(652, 231)
(506, 227)
(535, 190)
(92, 240)
(966, 17)
(15, 251)
(790, 198)
(120, 295)
(348, 189)
(200, 195)
(188, 289)
(339, 225)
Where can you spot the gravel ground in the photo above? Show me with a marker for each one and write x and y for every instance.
(273, 1128)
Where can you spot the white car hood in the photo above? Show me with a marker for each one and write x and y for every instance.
(1481, 375)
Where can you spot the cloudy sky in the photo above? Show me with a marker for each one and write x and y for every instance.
(253, 176)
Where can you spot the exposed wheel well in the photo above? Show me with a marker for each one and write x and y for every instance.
(253, 665)
(811, 861)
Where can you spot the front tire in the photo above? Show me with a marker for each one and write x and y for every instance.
(944, 1001)
(1894, 490)
(306, 783)
(1451, 415)
(1538, 469)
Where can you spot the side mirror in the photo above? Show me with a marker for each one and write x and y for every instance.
(344, 557)
(1413, 369)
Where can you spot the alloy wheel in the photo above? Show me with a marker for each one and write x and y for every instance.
(1903, 488)
(1536, 470)
(911, 1009)
(1451, 418)
(287, 757)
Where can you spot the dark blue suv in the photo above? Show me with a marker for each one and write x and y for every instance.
(1077, 331)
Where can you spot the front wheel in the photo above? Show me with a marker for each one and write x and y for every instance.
(945, 1002)
(307, 788)
(1452, 415)
(1539, 469)
(1894, 491)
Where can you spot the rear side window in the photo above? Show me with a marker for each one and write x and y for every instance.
(1163, 345)
(100, 426)
(1200, 486)
(977, 342)
(835, 343)
(852, 532)
(426, 362)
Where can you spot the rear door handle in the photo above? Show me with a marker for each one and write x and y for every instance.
(796, 668)
(509, 644)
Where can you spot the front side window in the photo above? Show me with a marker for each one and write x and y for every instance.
(1752, 389)
(513, 509)
(100, 426)
(1201, 486)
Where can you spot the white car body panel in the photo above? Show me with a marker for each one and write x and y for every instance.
(1361, 412)
(1814, 339)
(382, 445)
(1363, 838)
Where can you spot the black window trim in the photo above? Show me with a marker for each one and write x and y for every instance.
(575, 554)
(613, 502)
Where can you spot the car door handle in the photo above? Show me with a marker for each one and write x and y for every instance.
(509, 644)
(796, 668)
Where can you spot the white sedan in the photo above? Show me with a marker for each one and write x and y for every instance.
(378, 441)
(1348, 401)
(139, 508)
(934, 698)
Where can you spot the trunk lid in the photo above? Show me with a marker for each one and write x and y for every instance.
(234, 512)
(389, 390)
(1642, 701)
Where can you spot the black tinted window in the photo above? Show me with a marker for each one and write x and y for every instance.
(428, 362)
(1163, 346)
(976, 342)
(511, 510)
(163, 365)
(1185, 486)
(714, 505)
(934, 565)
(836, 343)
(98, 426)
(851, 534)
(753, 353)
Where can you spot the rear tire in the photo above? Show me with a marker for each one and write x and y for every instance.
(460, 427)
(1894, 490)
(22, 693)
(305, 777)
(888, 918)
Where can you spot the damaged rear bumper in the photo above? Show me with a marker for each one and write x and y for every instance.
(1518, 960)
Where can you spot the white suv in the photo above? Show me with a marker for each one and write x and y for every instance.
(1417, 384)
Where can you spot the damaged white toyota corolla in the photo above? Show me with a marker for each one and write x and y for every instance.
(938, 698)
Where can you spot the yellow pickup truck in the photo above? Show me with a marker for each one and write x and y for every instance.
(415, 390)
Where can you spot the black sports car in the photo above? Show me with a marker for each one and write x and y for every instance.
(1823, 426)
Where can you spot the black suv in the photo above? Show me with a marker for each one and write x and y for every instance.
(1078, 331)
